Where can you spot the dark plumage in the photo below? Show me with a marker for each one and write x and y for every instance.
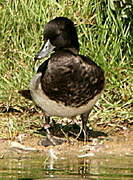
(71, 79)
(67, 84)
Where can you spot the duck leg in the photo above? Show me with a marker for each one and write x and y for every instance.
(83, 129)
(50, 139)
(84, 119)
(46, 127)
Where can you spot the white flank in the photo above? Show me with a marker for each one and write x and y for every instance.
(52, 108)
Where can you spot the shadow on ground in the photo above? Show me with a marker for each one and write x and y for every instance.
(65, 132)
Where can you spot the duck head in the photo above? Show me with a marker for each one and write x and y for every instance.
(59, 33)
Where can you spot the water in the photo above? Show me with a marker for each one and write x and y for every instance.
(38, 166)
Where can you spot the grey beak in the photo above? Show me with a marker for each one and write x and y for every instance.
(46, 49)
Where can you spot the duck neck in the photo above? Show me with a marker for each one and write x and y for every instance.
(73, 50)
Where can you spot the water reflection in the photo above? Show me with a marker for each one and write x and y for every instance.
(40, 166)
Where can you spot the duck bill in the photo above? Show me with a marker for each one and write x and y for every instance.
(46, 49)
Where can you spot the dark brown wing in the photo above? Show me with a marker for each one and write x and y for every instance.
(72, 80)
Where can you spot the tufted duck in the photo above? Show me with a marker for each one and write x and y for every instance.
(66, 84)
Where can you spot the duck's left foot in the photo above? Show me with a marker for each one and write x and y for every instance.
(84, 131)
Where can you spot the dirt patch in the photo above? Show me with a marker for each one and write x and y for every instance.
(114, 137)
(118, 145)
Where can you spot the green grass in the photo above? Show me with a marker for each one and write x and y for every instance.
(105, 30)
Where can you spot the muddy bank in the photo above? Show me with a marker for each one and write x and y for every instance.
(117, 145)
